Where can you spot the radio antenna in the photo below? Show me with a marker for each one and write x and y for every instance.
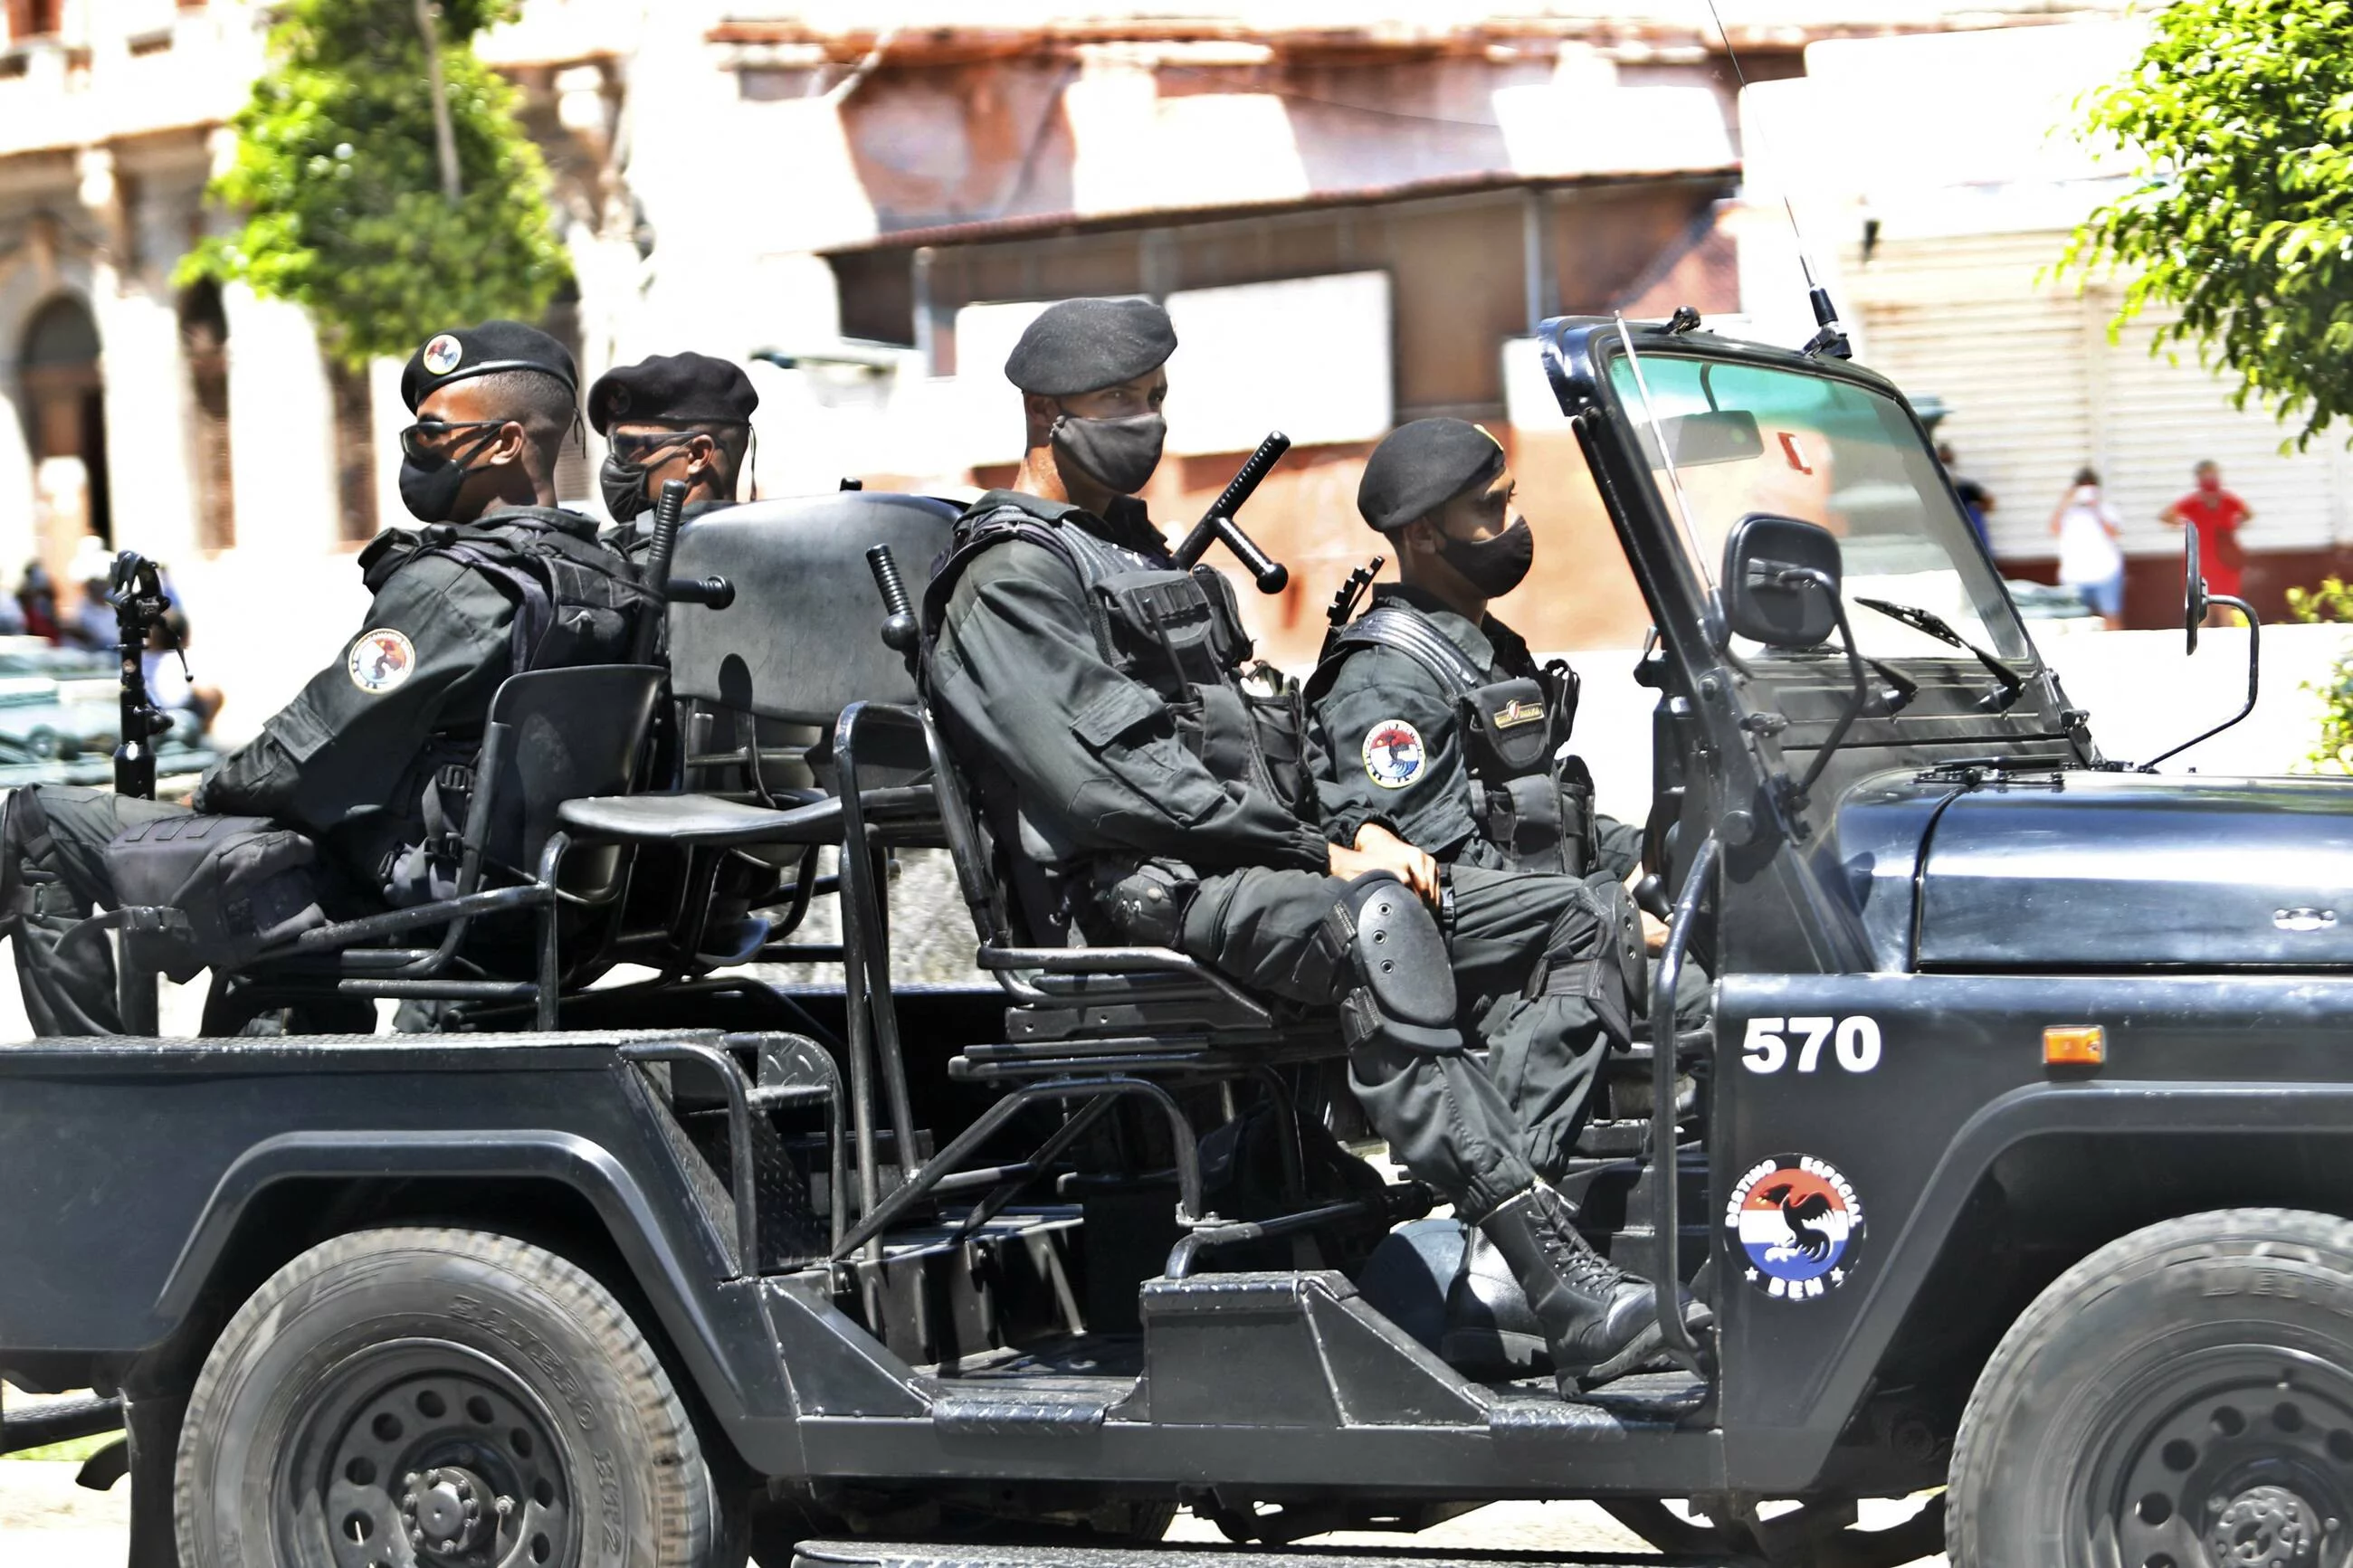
(1829, 336)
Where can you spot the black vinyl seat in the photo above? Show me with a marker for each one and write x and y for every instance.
(551, 735)
(760, 685)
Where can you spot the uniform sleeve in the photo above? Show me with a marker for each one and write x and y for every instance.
(340, 749)
(1393, 754)
(1018, 669)
(1617, 847)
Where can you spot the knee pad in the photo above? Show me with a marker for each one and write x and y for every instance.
(1404, 993)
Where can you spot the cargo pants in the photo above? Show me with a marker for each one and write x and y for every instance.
(1477, 1133)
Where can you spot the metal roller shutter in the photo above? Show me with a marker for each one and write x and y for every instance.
(2163, 415)
(1964, 319)
(2036, 390)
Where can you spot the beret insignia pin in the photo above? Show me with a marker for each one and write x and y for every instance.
(442, 355)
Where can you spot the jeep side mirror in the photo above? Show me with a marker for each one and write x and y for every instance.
(1780, 582)
(2193, 585)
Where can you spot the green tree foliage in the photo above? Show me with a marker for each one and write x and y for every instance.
(2243, 112)
(2332, 601)
(340, 183)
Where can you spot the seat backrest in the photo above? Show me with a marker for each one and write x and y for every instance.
(561, 734)
(798, 643)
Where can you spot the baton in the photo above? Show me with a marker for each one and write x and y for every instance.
(1218, 522)
(656, 570)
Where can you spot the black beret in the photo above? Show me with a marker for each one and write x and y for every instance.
(466, 352)
(673, 389)
(1422, 466)
(1083, 345)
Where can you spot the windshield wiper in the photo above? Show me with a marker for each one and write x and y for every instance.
(1932, 625)
(1900, 689)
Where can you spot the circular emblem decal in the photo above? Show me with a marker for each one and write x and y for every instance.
(381, 660)
(442, 355)
(1800, 1221)
(1394, 754)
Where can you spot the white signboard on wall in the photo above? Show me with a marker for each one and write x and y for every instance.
(1308, 356)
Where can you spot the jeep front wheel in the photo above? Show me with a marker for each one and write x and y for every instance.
(440, 1397)
(2183, 1398)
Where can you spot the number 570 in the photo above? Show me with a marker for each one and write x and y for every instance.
(1766, 1048)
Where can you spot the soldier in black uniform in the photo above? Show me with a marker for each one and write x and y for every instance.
(1435, 721)
(673, 416)
(373, 758)
(1092, 689)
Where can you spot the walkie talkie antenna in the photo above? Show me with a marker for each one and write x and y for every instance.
(1828, 337)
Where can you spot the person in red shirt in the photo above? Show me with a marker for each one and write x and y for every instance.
(2216, 514)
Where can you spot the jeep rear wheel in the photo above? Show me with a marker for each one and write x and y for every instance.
(447, 1399)
(2183, 1398)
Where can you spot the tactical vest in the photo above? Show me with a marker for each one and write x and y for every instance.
(1179, 633)
(1533, 807)
(576, 602)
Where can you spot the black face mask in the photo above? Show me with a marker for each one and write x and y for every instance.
(623, 483)
(430, 483)
(1493, 566)
(1120, 453)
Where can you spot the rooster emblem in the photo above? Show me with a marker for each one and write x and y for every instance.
(1797, 1219)
(1804, 1240)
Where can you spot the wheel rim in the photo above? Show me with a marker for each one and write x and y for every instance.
(2235, 1457)
(423, 1454)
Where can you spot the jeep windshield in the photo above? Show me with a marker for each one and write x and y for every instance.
(1748, 438)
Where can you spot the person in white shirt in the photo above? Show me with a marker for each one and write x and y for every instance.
(2090, 561)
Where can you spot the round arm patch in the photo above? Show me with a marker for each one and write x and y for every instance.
(1394, 754)
(381, 660)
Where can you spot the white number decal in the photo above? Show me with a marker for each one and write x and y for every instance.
(1858, 1043)
(1855, 1042)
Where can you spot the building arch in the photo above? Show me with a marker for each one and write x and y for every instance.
(62, 385)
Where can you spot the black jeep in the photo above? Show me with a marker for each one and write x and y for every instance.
(2012, 1163)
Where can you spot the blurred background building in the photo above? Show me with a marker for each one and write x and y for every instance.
(1355, 213)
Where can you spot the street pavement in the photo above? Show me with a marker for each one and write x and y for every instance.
(47, 1521)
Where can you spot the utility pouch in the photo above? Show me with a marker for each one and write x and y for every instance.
(1163, 626)
(1278, 714)
(243, 883)
(1573, 795)
(1145, 901)
(1522, 816)
(1510, 727)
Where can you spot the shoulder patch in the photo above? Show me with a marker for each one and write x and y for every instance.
(1394, 754)
(381, 660)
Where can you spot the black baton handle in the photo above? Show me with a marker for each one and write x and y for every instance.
(656, 570)
(1218, 522)
(899, 611)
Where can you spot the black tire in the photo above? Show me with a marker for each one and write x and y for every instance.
(499, 1385)
(2181, 1398)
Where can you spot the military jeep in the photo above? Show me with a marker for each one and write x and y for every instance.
(2011, 1162)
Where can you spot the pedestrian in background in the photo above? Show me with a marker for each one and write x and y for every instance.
(2090, 560)
(1977, 502)
(2217, 515)
(36, 601)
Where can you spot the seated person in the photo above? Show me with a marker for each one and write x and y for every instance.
(673, 416)
(1092, 689)
(1436, 724)
(170, 684)
(372, 758)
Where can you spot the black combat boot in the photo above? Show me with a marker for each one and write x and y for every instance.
(1595, 1321)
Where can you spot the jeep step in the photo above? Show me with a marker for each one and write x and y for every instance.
(977, 1555)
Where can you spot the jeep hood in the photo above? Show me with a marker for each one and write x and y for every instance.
(2127, 870)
